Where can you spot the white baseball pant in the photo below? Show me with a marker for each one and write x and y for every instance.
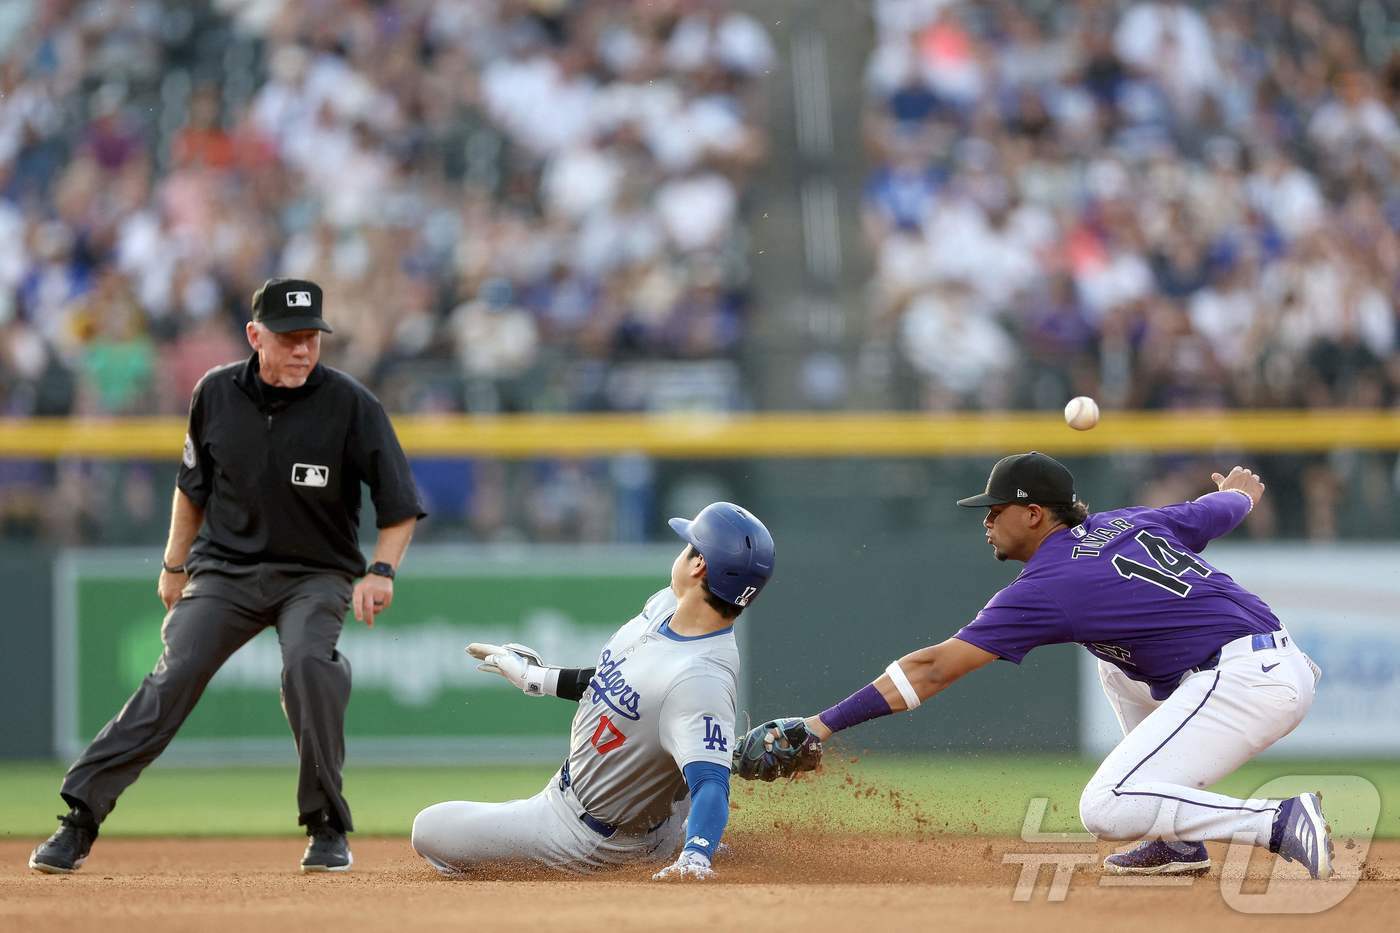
(1151, 785)
(545, 830)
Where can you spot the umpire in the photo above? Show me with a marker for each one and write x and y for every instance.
(263, 531)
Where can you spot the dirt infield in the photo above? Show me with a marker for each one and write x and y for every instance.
(808, 883)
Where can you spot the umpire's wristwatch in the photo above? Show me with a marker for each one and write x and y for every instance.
(381, 569)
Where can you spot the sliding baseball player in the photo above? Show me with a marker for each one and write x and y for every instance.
(651, 745)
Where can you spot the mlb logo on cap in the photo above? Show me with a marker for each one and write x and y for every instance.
(287, 305)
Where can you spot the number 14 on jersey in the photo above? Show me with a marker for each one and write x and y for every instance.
(1171, 565)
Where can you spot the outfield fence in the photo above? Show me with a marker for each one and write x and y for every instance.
(707, 435)
(874, 559)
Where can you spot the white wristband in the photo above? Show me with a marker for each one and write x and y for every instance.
(902, 684)
(540, 681)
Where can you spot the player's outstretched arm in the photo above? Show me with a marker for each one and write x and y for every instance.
(522, 666)
(905, 684)
(1201, 521)
(695, 716)
(709, 814)
(784, 747)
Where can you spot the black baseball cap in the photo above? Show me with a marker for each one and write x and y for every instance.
(285, 305)
(1024, 479)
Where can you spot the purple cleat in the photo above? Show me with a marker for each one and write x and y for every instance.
(1157, 857)
(1301, 834)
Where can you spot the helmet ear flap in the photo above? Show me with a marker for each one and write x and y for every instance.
(693, 554)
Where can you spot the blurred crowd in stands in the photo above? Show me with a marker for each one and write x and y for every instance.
(542, 205)
(1158, 204)
(511, 205)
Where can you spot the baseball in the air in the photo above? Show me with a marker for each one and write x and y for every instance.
(1082, 413)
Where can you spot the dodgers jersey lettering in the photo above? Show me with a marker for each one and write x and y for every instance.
(1131, 587)
(658, 702)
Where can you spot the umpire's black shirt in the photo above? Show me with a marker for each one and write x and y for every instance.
(278, 471)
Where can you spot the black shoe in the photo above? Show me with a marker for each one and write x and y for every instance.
(326, 850)
(65, 851)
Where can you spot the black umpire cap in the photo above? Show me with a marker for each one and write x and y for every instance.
(285, 305)
(1024, 479)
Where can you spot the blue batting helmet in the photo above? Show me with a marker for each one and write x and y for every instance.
(738, 550)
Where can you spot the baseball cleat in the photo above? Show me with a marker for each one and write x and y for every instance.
(326, 850)
(1156, 857)
(1301, 834)
(65, 851)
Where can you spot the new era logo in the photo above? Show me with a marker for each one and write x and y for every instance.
(298, 299)
(309, 474)
(1022, 494)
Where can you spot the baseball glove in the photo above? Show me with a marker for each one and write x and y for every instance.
(778, 748)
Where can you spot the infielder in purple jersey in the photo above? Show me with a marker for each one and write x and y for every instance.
(1199, 671)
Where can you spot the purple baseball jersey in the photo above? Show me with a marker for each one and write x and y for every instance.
(1130, 586)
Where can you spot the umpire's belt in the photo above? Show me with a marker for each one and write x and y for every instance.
(1260, 641)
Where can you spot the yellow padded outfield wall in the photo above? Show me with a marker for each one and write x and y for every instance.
(698, 436)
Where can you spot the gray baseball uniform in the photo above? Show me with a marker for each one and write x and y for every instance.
(658, 702)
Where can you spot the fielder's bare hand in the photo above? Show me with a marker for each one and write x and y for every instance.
(170, 586)
(373, 594)
(1243, 480)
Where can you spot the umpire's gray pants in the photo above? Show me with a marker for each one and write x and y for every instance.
(219, 611)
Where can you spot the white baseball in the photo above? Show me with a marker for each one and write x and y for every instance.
(1082, 413)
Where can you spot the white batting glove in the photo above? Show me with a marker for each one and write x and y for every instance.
(516, 663)
(690, 864)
